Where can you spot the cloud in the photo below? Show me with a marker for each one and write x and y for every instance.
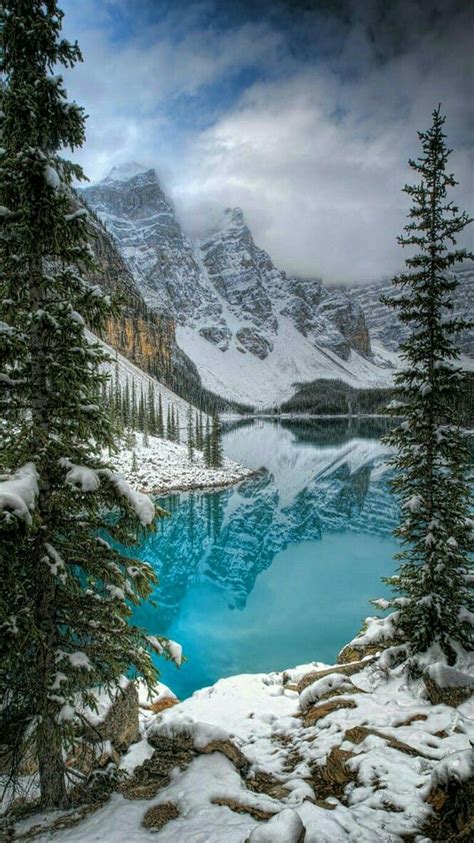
(318, 161)
(306, 118)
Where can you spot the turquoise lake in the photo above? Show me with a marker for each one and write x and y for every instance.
(278, 570)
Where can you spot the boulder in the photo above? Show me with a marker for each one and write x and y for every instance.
(348, 669)
(447, 685)
(319, 711)
(156, 817)
(451, 795)
(116, 719)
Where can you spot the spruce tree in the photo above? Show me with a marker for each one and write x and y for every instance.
(216, 442)
(159, 419)
(190, 435)
(66, 593)
(431, 455)
(207, 447)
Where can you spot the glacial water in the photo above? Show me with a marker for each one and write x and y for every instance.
(279, 570)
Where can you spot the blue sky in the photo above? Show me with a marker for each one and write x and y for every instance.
(303, 113)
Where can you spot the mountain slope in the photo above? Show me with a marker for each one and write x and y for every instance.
(250, 329)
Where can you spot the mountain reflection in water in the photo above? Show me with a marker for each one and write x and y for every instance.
(297, 550)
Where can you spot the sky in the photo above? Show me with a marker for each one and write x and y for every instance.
(302, 112)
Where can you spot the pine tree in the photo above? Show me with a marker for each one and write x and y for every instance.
(66, 593)
(152, 421)
(207, 448)
(177, 428)
(133, 406)
(431, 453)
(216, 442)
(159, 420)
(190, 435)
(134, 463)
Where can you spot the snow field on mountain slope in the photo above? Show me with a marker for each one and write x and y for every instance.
(270, 382)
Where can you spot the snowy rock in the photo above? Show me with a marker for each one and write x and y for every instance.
(447, 685)
(18, 493)
(116, 718)
(451, 795)
(285, 827)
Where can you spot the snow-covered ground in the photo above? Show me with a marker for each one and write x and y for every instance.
(164, 466)
(262, 767)
(294, 359)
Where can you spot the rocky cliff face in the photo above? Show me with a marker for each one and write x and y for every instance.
(226, 295)
(382, 321)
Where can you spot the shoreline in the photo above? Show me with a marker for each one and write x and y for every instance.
(164, 467)
(201, 487)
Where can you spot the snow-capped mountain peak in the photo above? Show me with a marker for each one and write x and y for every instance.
(251, 330)
(125, 172)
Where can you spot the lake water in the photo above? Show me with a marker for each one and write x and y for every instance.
(279, 570)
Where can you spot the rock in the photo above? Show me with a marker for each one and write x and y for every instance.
(331, 778)
(285, 826)
(119, 722)
(87, 757)
(354, 653)
(262, 782)
(348, 669)
(254, 342)
(243, 807)
(447, 685)
(232, 752)
(162, 704)
(330, 686)
(218, 336)
(156, 817)
(319, 711)
(451, 795)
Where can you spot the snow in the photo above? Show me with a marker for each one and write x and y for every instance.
(285, 827)
(126, 171)
(18, 493)
(384, 797)
(104, 699)
(81, 476)
(142, 505)
(328, 684)
(269, 382)
(51, 177)
(449, 677)
(164, 466)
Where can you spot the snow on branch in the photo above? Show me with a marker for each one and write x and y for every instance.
(18, 493)
(88, 480)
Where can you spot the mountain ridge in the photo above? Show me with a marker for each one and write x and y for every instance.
(251, 330)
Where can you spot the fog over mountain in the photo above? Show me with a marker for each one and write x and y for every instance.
(304, 114)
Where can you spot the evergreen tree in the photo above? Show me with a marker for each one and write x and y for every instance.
(141, 411)
(133, 406)
(216, 442)
(207, 448)
(66, 593)
(169, 423)
(152, 421)
(190, 434)
(431, 452)
(134, 462)
(177, 427)
(159, 420)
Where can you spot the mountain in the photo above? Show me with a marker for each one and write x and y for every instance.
(382, 322)
(252, 331)
(142, 334)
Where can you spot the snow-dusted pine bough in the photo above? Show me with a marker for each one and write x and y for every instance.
(67, 592)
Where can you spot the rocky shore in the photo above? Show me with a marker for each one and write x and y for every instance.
(319, 753)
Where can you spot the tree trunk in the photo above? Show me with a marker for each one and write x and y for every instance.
(49, 747)
(51, 765)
